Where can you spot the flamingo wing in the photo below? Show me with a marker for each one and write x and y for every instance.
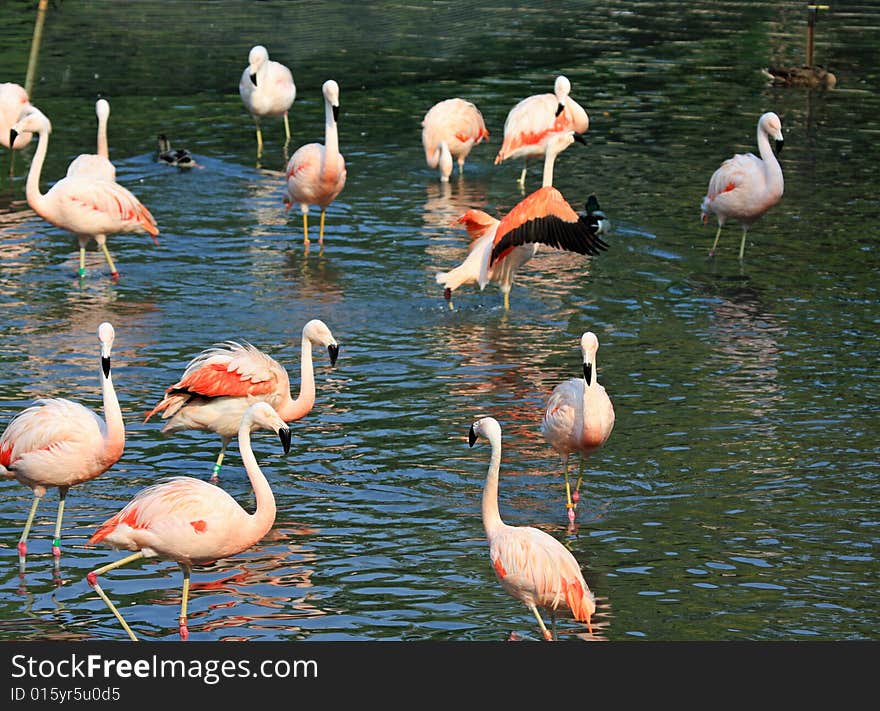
(741, 172)
(558, 423)
(545, 217)
(477, 223)
(112, 207)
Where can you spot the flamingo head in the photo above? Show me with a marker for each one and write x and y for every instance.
(589, 346)
(771, 124)
(31, 120)
(258, 56)
(486, 427)
(331, 94)
(318, 334)
(561, 88)
(102, 109)
(261, 415)
(106, 335)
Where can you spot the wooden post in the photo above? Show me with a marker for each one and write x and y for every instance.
(811, 22)
(35, 48)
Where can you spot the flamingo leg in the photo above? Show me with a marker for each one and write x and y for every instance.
(184, 631)
(56, 542)
(215, 473)
(22, 542)
(553, 624)
(92, 579)
(114, 274)
(742, 245)
(715, 243)
(541, 624)
(568, 503)
(321, 232)
(522, 176)
(306, 229)
(577, 487)
(286, 131)
(259, 138)
(82, 260)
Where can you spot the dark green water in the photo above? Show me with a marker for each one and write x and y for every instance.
(737, 496)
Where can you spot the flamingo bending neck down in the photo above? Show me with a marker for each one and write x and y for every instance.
(579, 417)
(531, 565)
(450, 129)
(59, 443)
(90, 207)
(191, 521)
(218, 385)
(98, 164)
(530, 124)
(501, 247)
(745, 186)
(315, 173)
(267, 89)
(14, 102)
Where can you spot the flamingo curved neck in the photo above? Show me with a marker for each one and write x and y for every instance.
(295, 409)
(331, 137)
(114, 439)
(261, 520)
(549, 160)
(103, 149)
(772, 169)
(32, 187)
(491, 515)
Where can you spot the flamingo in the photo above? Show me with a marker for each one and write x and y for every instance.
(531, 565)
(316, 173)
(218, 385)
(177, 157)
(267, 89)
(96, 165)
(745, 186)
(87, 206)
(59, 443)
(579, 417)
(191, 521)
(450, 129)
(501, 247)
(14, 102)
(534, 119)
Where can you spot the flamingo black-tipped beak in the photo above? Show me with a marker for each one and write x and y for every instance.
(254, 79)
(284, 436)
(579, 137)
(105, 366)
(559, 109)
(333, 352)
(336, 114)
(472, 436)
(588, 372)
(13, 134)
(779, 144)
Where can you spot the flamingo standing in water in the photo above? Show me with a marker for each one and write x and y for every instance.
(579, 417)
(59, 443)
(89, 207)
(316, 173)
(96, 165)
(534, 119)
(221, 382)
(531, 565)
(267, 89)
(191, 521)
(501, 247)
(450, 129)
(745, 186)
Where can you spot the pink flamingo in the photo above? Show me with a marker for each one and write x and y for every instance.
(534, 119)
(579, 417)
(96, 165)
(191, 521)
(267, 89)
(14, 102)
(531, 565)
(57, 442)
(501, 247)
(316, 173)
(450, 129)
(89, 207)
(745, 186)
(219, 384)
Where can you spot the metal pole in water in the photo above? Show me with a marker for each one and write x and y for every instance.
(811, 23)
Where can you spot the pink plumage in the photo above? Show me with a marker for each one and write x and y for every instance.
(450, 129)
(536, 118)
(13, 103)
(579, 417)
(745, 186)
(59, 443)
(531, 565)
